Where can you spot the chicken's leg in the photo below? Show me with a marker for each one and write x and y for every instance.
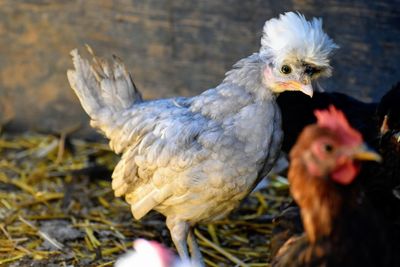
(195, 252)
(179, 233)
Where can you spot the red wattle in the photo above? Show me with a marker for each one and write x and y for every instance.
(345, 174)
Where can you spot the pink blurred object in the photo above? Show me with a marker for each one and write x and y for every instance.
(150, 254)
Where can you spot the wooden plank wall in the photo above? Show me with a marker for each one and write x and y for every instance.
(173, 47)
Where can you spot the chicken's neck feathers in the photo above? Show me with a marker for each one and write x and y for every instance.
(247, 73)
(325, 205)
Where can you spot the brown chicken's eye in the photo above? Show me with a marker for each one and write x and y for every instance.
(285, 69)
(328, 148)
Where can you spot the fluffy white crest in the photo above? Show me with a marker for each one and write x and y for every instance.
(292, 36)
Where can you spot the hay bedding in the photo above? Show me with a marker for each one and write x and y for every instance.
(57, 209)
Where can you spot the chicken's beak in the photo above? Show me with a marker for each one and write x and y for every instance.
(365, 153)
(304, 88)
(307, 89)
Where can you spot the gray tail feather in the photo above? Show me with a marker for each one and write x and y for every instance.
(102, 88)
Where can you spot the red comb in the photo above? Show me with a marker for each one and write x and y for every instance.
(335, 120)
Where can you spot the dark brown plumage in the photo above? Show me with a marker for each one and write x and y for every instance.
(341, 229)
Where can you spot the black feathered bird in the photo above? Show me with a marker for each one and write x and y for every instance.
(298, 111)
(382, 181)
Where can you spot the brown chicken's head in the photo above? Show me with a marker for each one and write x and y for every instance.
(332, 148)
(296, 52)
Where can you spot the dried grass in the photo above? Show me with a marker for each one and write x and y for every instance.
(57, 209)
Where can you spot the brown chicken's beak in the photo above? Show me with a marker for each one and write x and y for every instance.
(364, 153)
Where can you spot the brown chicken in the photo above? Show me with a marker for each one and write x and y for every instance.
(340, 228)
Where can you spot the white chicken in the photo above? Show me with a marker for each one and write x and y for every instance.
(194, 159)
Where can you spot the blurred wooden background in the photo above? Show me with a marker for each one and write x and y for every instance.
(173, 48)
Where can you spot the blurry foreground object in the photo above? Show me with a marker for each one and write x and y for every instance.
(194, 159)
(341, 229)
(150, 254)
(380, 125)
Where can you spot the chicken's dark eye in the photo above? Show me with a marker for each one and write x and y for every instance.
(285, 69)
(328, 148)
(310, 71)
